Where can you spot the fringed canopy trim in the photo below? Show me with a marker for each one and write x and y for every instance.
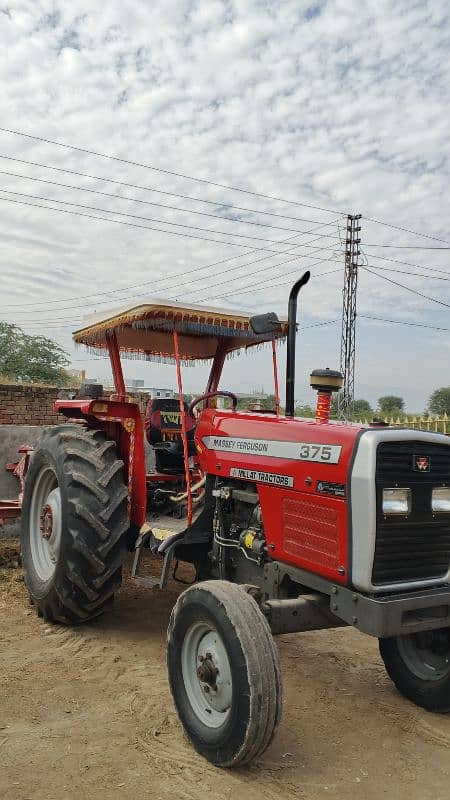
(146, 331)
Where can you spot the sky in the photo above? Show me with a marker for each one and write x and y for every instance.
(262, 124)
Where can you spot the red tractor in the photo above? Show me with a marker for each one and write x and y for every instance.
(290, 524)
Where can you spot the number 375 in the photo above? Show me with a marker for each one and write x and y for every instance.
(315, 452)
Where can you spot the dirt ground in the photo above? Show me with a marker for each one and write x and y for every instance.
(87, 713)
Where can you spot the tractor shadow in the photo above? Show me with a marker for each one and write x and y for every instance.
(340, 710)
(140, 612)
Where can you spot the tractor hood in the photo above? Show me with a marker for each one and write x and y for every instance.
(291, 451)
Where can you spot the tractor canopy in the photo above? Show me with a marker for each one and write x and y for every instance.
(146, 330)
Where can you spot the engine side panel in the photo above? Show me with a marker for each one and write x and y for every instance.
(301, 470)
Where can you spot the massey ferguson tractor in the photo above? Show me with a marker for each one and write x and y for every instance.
(290, 524)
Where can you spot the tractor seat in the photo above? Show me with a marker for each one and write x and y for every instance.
(163, 431)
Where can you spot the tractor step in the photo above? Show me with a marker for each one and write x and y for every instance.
(146, 581)
(148, 541)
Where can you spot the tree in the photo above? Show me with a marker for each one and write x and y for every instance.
(9, 349)
(360, 408)
(439, 402)
(32, 359)
(304, 411)
(391, 404)
(334, 413)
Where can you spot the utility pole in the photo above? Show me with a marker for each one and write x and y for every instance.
(348, 337)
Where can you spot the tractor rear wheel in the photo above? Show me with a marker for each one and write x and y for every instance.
(419, 665)
(224, 672)
(74, 524)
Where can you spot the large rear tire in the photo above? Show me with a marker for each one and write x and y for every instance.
(224, 672)
(419, 665)
(74, 524)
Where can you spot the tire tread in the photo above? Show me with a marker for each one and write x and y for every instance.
(95, 523)
(433, 696)
(262, 665)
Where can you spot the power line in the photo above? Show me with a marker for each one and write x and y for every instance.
(314, 325)
(220, 185)
(212, 183)
(320, 324)
(196, 280)
(134, 224)
(141, 188)
(408, 288)
(253, 285)
(199, 289)
(407, 246)
(271, 286)
(150, 203)
(417, 274)
(406, 263)
(406, 230)
(403, 322)
(167, 171)
(197, 268)
(244, 290)
(145, 219)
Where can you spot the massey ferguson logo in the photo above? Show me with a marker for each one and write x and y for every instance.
(421, 464)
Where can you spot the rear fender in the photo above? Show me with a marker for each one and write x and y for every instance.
(122, 422)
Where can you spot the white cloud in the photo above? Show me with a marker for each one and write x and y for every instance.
(341, 104)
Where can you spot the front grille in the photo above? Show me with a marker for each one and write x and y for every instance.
(417, 547)
(395, 463)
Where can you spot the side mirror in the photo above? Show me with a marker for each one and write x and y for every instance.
(265, 324)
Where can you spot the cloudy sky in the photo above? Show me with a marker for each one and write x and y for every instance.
(313, 110)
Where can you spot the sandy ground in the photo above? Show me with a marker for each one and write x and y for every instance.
(87, 713)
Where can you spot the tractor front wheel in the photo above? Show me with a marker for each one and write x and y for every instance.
(419, 665)
(74, 524)
(224, 672)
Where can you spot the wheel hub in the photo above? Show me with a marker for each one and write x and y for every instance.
(46, 522)
(427, 655)
(207, 674)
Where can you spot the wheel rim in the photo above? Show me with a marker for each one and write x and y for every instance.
(206, 674)
(427, 655)
(45, 523)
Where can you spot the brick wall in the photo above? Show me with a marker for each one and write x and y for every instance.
(33, 405)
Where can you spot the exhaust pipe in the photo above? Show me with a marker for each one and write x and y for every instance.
(292, 331)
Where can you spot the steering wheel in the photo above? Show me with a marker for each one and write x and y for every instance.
(207, 396)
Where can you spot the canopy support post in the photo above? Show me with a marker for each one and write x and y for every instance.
(183, 428)
(275, 378)
(217, 366)
(116, 366)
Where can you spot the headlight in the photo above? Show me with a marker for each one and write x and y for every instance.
(396, 501)
(440, 499)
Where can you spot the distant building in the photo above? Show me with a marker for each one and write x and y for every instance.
(155, 392)
(138, 385)
(254, 398)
